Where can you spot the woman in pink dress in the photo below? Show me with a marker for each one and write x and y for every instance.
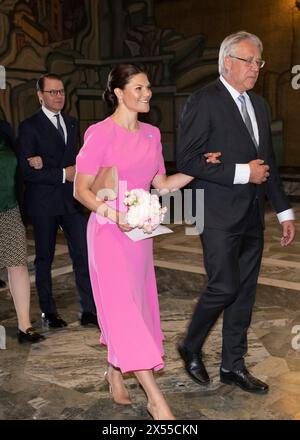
(121, 270)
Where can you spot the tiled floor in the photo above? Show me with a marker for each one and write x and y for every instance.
(62, 377)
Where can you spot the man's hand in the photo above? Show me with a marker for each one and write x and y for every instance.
(70, 173)
(35, 162)
(288, 232)
(213, 157)
(259, 172)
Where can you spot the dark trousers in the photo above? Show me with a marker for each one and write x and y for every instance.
(232, 262)
(45, 231)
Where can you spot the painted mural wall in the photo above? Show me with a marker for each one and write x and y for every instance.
(40, 36)
(178, 40)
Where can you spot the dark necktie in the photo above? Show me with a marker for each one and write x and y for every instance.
(247, 119)
(59, 128)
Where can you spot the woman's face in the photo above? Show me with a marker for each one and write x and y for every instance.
(137, 94)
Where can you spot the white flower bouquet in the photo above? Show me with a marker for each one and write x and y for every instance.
(144, 210)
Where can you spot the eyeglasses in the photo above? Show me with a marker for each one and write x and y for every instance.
(55, 92)
(249, 61)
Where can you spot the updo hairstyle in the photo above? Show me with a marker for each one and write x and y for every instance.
(118, 77)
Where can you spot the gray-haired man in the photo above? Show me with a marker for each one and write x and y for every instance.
(225, 117)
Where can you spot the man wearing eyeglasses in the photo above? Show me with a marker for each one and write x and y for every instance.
(52, 135)
(226, 116)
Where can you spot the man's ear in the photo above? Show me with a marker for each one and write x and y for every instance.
(227, 62)
(40, 98)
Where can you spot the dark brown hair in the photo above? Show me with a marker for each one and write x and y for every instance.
(118, 77)
(40, 84)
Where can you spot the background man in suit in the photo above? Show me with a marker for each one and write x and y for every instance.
(224, 117)
(53, 136)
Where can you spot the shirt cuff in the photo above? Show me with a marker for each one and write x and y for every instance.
(64, 176)
(242, 173)
(286, 215)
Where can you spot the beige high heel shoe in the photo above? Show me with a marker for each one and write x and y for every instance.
(121, 398)
(168, 415)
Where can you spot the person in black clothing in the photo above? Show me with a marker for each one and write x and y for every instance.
(227, 116)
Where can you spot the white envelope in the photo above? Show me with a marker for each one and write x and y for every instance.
(138, 234)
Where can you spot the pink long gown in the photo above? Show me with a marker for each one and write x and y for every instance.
(121, 270)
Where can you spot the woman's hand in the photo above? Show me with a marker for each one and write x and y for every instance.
(122, 222)
(35, 162)
(213, 157)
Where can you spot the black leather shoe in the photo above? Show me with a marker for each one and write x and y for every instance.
(30, 335)
(89, 318)
(54, 320)
(194, 366)
(243, 379)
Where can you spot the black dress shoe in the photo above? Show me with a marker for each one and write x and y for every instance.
(194, 366)
(30, 335)
(53, 320)
(89, 318)
(2, 284)
(243, 379)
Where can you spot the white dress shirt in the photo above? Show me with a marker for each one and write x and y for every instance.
(52, 117)
(242, 171)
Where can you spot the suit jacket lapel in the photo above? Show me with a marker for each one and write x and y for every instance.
(259, 117)
(70, 126)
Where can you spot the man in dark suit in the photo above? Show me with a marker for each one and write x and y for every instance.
(53, 136)
(224, 117)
